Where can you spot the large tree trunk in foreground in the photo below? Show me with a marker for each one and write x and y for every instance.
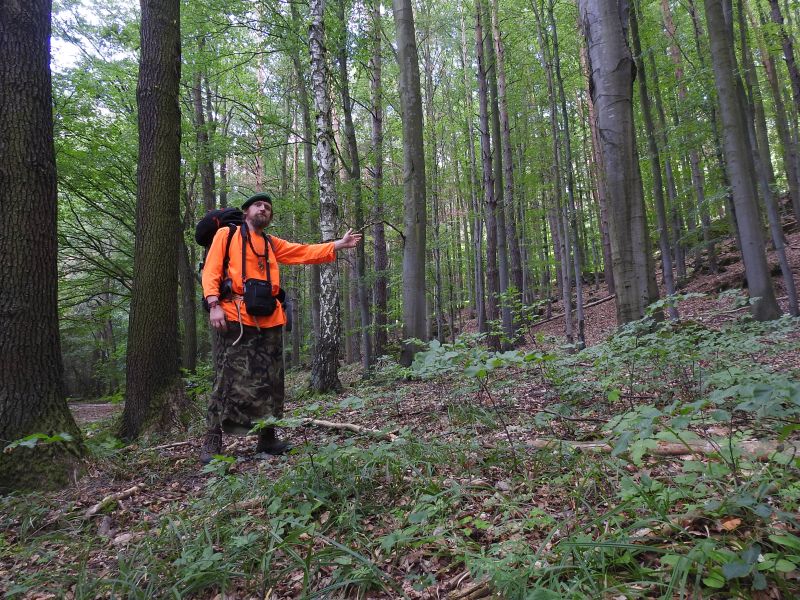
(611, 85)
(31, 381)
(739, 164)
(325, 366)
(154, 387)
(415, 219)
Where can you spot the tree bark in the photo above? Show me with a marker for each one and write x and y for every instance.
(570, 217)
(489, 203)
(611, 86)
(499, 193)
(476, 222)
(788, 147)
(739, 164)
(204, 161)
(308, 163)
(694, 158)
(598, 173)
(188, 292)
(154, 387)
(655, 164)
(360, 271)
(414, 214)
(381, 259)
(788, 52)
(325, 365)
(32, 382)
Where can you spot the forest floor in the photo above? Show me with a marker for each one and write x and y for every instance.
(672, 473)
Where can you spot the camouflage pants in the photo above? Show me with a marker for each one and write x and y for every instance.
(248, 377)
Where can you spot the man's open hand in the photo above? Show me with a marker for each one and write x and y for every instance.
(348, 240)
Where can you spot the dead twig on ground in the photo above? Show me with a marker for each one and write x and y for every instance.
(96, 508)
(386, 435)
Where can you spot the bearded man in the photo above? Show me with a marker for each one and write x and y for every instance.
(241, 283)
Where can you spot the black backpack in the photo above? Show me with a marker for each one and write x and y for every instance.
(232, 218)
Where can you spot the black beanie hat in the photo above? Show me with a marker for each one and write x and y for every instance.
(255, 198)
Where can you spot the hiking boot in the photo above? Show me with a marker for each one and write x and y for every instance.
(212, 445)
(269, 443)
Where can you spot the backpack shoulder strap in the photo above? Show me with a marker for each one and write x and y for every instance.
(231, 230)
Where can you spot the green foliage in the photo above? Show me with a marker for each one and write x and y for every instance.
(35, 439)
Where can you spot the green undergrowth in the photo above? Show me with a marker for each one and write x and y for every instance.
(465, 487)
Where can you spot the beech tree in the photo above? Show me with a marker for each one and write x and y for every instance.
(414, 214)
(611, 68)
(739, 163)
(31, 382)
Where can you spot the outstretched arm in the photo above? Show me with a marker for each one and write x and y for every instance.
(348, 240)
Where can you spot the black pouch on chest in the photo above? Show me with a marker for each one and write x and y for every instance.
(258, 298)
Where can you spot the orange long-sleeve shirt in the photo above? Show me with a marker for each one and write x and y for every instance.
(287, 253)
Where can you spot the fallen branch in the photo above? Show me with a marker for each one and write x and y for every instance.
(239, 506)
(169, 446)
(471, 592)
(93, 510)
(558, 316)
(351, 427)
(759, 450)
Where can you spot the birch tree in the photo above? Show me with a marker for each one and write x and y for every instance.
(325, 365)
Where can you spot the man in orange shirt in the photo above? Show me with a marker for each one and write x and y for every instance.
(247, 322)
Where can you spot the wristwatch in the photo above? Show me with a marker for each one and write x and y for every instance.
(213, 304)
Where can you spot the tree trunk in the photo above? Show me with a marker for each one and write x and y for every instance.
(788, 147)
(360, 271)
(32, 382)
(325, 366)
(433, 153)
(188, 291)
(598, 173)
(154, 388)
(497, 166)
(694, 158)
(507, 152)
(669, 178)
(381, 259)
(571, 217)
(204, 161)
(556, 213)
(739, 164)
(490, 205)
(759, 140)
(712, 114)
(414, 219)
(308, 162)
(476, 222)
(611, 87)
(655, 164)
(788, 52)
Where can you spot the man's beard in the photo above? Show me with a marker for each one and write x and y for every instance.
(260, 221)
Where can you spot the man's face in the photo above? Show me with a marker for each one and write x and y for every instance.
(259, 213)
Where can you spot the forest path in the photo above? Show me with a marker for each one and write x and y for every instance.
(87, 412)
